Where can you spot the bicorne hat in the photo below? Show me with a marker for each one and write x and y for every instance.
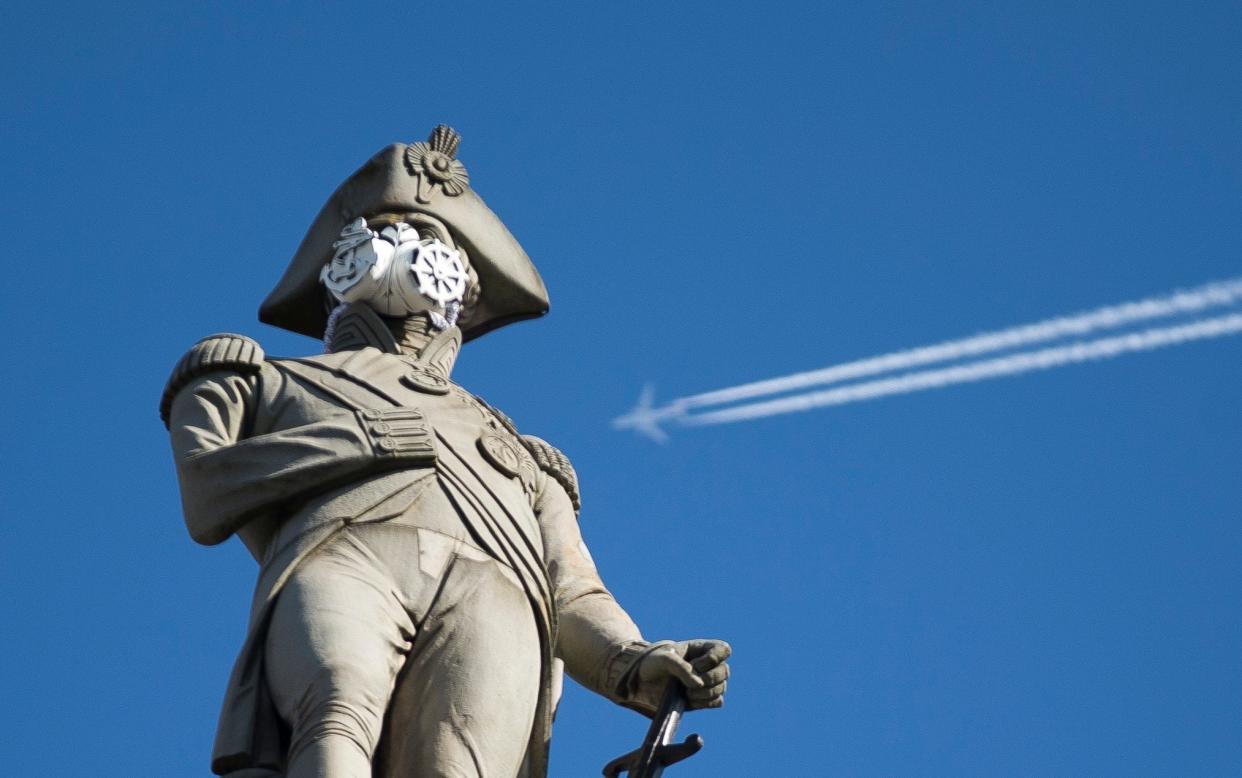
(421, 178)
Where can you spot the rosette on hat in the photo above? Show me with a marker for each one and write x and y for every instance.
(435, 163)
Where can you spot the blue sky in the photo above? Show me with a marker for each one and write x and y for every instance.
(1037, 575)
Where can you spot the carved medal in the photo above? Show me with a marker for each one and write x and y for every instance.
(502, 453)
(426, 380)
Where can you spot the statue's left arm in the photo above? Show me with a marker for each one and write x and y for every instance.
(601, 646)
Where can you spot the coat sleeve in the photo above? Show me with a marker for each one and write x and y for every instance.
(227, 478)
(597, 639)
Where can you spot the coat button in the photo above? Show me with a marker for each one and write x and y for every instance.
(425, 380)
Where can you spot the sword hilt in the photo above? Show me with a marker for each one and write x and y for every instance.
(658, 751)
(664, 756)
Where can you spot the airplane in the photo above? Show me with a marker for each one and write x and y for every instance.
(645, 417)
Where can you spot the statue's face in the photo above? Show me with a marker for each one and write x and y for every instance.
(397, 271)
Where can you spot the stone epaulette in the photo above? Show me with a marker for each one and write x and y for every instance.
(225, 351)
(554, 463)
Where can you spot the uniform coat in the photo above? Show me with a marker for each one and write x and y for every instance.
(287, 452)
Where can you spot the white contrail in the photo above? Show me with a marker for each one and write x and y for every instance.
(1042, 359)
(1213, 295)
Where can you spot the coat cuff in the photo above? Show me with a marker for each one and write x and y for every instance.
(621, 670)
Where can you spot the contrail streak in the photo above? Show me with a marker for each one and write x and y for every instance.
(1213, 295)
(1024, 362)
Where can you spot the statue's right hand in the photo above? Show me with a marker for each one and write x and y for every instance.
(700, 666)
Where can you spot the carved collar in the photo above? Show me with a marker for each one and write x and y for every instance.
(357, 326)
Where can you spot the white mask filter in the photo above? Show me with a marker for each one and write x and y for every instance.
(396, 272)
(357, 270)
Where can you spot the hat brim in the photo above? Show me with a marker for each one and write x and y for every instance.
(511, 288)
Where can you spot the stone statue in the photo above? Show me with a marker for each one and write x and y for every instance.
(422, 579)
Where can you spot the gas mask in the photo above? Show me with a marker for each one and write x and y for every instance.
(397, 272)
